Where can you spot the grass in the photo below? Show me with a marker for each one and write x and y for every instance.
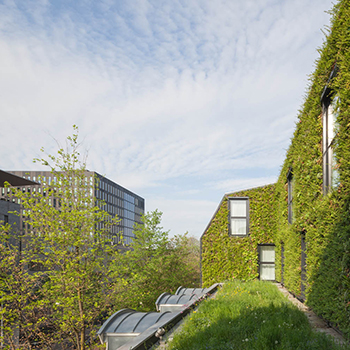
(249, 315)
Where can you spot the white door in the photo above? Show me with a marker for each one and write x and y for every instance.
(267, 262)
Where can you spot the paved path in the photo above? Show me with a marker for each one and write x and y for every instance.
(316, 322)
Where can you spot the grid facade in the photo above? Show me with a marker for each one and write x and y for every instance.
(111, 197)
(119, 201)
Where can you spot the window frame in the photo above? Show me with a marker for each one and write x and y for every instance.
(230, 217)
(263, 263)
(328, 135)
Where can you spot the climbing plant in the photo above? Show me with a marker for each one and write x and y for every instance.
(227, 257)
(323, 218)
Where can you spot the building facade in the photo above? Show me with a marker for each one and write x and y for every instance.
(10, 207)
(239, 239)
(310, 205)
(313, 190)
(111, 197)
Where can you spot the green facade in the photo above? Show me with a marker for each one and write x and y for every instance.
(225, 256)
(320, 217)
(307, 220)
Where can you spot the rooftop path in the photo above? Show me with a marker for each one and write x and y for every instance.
(317, 323)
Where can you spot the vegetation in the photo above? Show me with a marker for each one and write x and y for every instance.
(73, 257)
(322, 219)
(156, 264)
(224, 256)
(250, 315)
(61, 277)
(19, 297)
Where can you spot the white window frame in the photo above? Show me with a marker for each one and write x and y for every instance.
(267, 265)
(240, 217)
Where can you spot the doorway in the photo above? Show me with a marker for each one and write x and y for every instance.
(267, 262)
(303, 267)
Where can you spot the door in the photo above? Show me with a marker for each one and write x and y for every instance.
(282, 262)
(303, 267)
(267, 262)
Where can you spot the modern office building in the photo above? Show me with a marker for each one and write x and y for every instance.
(111, 197)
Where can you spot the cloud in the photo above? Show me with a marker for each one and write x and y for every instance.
(234, 185)
(169, 96)
(181, 216)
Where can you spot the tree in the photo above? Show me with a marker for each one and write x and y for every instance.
(64, 242)
(155, 264)
(188, 251)
(19, 297)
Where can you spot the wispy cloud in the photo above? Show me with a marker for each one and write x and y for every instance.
(200, 93)
(234, 185)
(180, 216)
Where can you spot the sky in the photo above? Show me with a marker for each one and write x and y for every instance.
(179, 101)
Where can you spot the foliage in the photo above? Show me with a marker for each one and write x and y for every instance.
(156, 264)
(251, 315)
(60, 276)
(323, 218)
(63, 242)
(19, 296)
(225, 257)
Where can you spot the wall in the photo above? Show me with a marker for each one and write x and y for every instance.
(7, 215)
(323, 219)
(224, 256)
(313, 250)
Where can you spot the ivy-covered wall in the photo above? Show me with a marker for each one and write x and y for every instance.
(321, 221)
(224, 256)
(324, 220)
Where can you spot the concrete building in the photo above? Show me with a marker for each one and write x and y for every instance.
(111, 197)
(10, 206)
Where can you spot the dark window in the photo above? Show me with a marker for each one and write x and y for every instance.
(303, 266)
(35, 266)
(239, 216)
(282, 262)
(290, 195)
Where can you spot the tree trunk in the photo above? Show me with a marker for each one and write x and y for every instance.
(82, 329)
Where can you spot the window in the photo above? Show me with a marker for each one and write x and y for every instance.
(330, 111)
(35, 266)
(330, 173)
(290, 195)
(239, 216)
